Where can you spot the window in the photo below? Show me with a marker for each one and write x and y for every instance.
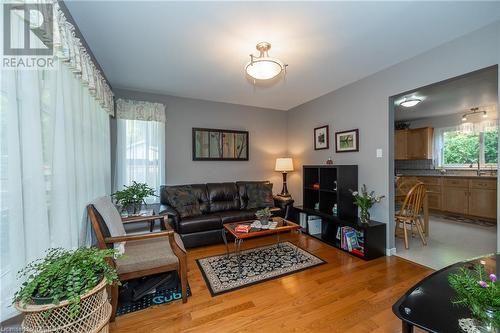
(467, 145)
(140, 153)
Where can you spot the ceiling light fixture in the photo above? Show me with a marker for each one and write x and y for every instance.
(262, 67)
(409, 102)
(474, 111)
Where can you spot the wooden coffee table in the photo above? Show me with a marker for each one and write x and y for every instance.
(283, 226)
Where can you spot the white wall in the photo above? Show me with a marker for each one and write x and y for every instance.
(267, 136)
(365, 105)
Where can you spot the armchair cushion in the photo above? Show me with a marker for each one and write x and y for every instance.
(183, 200)
(260, 195)
(111, 218)
(147, 254)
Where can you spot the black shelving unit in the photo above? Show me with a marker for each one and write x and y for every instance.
(327, 185)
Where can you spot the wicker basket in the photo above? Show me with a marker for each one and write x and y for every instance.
(94, 314)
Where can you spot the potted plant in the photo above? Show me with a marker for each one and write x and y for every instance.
(365, 201)
(480, 292)
(66, 291)
(264, 215)
(132, 197)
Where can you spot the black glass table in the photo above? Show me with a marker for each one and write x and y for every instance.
(427, 305)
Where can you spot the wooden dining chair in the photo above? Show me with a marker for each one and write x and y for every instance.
(145, 254)
(409, 214)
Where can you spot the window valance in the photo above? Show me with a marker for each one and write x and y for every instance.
(70, 49)
(140, 110)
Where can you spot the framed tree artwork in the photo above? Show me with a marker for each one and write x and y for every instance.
(347, 141)
(211, 144)
(321, 138)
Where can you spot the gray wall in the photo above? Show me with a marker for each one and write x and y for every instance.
(365, 105)
(267, 135)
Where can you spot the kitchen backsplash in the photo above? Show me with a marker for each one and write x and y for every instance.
(414, 165)
(426, 168)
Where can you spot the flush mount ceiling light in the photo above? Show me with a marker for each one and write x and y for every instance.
(474, 111)
(409, 102)
(262, 67)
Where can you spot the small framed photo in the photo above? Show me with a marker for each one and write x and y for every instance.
(347, 141)
(321, 138)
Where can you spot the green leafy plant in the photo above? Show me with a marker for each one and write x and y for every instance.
(365, 200)
(65, 275)
(263, 213)
(133, 195)
(478, 291)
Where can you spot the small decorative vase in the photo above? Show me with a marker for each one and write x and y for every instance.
(364, 215)
(486, 326)
(134, 209)
(264, 220)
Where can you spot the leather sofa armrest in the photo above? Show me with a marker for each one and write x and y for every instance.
(172, 214)
(284, 203)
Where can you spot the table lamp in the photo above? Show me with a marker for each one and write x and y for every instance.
(284, 165)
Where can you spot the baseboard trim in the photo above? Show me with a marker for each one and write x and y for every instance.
(390, 252)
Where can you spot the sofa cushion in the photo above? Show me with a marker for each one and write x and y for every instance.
(237, 215)
(199, 223)
(242, 191)
(259, 195)
(223, 196)
(183, 200)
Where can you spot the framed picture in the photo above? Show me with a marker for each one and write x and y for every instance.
(347, 141)
(321, 138)
(211, 144)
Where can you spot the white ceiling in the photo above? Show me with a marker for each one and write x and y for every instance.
(199, 49)
(459, 95)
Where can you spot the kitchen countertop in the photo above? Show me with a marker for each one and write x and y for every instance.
(449, 176)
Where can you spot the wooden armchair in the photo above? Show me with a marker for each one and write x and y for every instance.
(144, 254)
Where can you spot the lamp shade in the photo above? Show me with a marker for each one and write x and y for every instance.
(284, 164)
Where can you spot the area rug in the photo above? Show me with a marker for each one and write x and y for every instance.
(258, 265)
(162, 295)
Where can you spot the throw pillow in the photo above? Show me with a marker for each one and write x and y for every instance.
(183, 200)
(260, 195)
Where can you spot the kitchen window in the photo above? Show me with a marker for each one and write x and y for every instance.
(467, 145)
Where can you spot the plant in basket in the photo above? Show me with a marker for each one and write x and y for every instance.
(61, 282)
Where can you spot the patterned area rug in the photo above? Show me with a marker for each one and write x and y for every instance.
(258, 265)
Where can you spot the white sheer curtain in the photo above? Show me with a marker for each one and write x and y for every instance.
(140, 146)
(55, 158)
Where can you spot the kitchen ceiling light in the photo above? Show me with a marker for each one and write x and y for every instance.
(262, 67)
(408, 103)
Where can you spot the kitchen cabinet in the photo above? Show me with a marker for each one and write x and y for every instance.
(474, 196)
(434, 195)
(483, 198)
(400, 139)
(456, 200)
(483, 203)
(413, 144)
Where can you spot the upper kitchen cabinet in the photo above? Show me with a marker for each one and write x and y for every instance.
(413, 144)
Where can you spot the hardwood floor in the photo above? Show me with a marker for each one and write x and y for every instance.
(345, 295)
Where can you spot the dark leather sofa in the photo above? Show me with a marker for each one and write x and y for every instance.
(219, 203)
